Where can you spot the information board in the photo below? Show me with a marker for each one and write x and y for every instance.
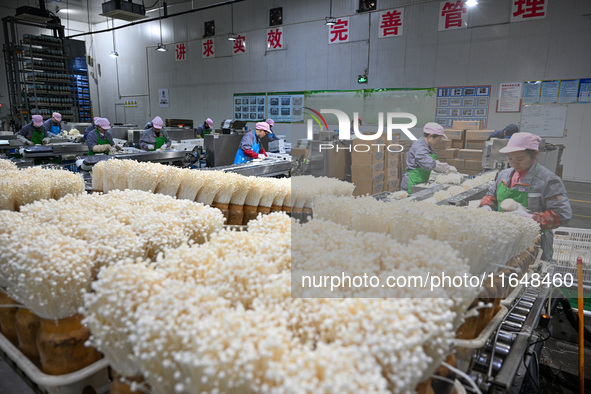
(544, 120)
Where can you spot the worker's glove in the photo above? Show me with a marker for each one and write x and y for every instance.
(262, 157)
(486, 208)
(441, 167)
(29, 142)
(45, 141)
(118, 147)
(150, 147)
(452, 169)
(112, 150)
(163, 147)
(522, 212)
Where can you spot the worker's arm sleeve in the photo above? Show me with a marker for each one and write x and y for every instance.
(423, 159)
(246, 142)
(146, 140)
(91, 140)
(250, 153)
(167, 140)
(558, 209)
(22, 135)
(262, 151)
(110, 137)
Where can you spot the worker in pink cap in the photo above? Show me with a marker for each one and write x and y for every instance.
(54, 124)
(100, 139)
(91, 127)
(250, 145)
(271, 135)
(421, 159)
(530, 187)
(155, 138)
(205, 128)
(33, 133)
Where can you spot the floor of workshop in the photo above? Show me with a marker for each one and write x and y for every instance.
(579, 194)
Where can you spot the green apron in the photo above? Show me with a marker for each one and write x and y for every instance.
(159, 141)
(37, 136)
(100, 141)
(206, 131)
(419, 175)
(504, 192)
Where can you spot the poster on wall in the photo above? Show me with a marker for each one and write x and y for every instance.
(509, 97)
(567, 93)
(249, 107)
(584, 95)
(531, 92)
(286, 107)
(462, 103)
(549, 94)
(163, 98)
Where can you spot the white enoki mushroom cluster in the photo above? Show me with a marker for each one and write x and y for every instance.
(218, 317)
(7, 165)
(20, 187)
(452, 178)
(93, 231)
(308, 189)
(485, 239)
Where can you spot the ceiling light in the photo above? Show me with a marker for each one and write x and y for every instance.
(330, 21)
(232, 37)
(114, 54)
(471, 3)
(161, 48)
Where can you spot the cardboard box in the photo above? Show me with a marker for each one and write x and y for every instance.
(296, 153)
(457, 144)
(366, 178)
(478, 145)
(392, 185)
(360, 172)
(369, 187)
(478, 135)
(470, 154)
(367, 158)
(467, 124)
(454, 134)
(473, 165)
(358, 141)
(443, 144)
(457, 163)
(391, 174)
(446, 154)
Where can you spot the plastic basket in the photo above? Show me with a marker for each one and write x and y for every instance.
(570, 244)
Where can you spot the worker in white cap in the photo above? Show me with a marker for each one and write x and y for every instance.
(530, 189)
(155, 138)
(271, 135)
(205, 128)
(421, 159)
(34, 133)
(54, 124)
(250, 145)
(100, 139)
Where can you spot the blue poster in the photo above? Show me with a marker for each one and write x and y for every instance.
(531, 92)
(568, 91)
(462, 103)
(549, 93)
(585, 90)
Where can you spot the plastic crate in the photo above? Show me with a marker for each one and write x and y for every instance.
(570, 244)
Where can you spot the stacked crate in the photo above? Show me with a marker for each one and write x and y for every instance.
(463, 150)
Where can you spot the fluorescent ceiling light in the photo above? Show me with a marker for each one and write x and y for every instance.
(161, 48)
(471, 3)
(232, 37)
(330, 20)
(114, 54)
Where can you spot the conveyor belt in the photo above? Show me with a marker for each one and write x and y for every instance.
(266, 168)
(155, 157)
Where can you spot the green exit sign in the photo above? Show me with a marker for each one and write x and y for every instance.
(362, 79)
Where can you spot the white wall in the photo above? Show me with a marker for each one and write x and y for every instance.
(491, 51)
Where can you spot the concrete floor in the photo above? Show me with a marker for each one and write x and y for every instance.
(579, 194)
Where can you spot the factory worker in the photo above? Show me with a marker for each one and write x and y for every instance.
(155, 138)
(271, 135)
(34, 133)
(507, 132)
(533, 186)
(250, 146)
(421, 160)
(91, 127)
(54, 124)
(100, 140)
(205, 128)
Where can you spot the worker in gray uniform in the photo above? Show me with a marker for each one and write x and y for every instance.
(100, 139)
(540, 192)
(34, 133)
(421, 159)
(155, 138)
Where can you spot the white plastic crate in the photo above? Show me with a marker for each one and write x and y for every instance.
(95, 375)
(570, 244)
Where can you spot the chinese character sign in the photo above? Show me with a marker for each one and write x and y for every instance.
(339, 32)
(180, 52)
(527, 10)
(275, 39)
(453, 15)
(207, 48)
(239, 47)
(391, 23)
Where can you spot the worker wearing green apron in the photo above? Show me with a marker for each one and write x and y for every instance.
(100, 139)
(205, 128)
(155, 138)
(33, 133)
(539, 191)
(421, 160)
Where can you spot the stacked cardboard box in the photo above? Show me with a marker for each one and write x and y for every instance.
(467, 124)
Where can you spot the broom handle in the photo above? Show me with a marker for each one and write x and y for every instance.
(581, 307)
